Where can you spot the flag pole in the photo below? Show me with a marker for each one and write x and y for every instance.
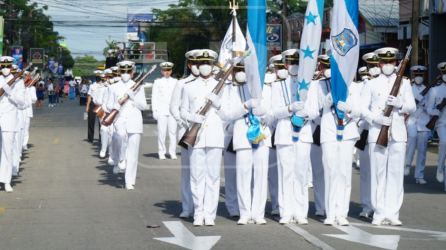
(234, 8)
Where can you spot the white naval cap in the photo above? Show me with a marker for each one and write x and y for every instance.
(190, 54)
(386, 53)
(291, 55)
(276, 60)
(370, 58)
(125, 65)
(324, 59)
(97, 72)
(166, 65)
(108, 72)
(363, 71)
(141, 43)
(271, 66)
(442, 66)
(418, 69)
(115, 70)
(6, 60)
(205, 55)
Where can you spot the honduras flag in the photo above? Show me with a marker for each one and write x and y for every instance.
(344, 51)
(309, 47)
(228, 45)
(255, 60)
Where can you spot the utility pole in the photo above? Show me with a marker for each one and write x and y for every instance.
(284, 28)
(415, 22)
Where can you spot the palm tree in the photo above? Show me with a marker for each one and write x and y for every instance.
(110, 45)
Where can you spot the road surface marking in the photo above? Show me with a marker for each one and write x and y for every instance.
(2, 209)
(309, 237)
(56, 140)
(436, 234)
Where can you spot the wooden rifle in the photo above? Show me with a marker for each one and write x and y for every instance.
(190, 136)
(16, 76)
(428, 87)
(33, 81)
(383, 137)
(28, 79)
(431, 124)
(110, 117)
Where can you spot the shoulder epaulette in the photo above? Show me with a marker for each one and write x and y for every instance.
(370, 78)
(268, 84)
(157, 78)
(405, 77)
(319, 78)
(191, 80)
(358, 81)
(278, 80)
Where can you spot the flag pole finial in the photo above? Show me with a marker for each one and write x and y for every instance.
(233, 5)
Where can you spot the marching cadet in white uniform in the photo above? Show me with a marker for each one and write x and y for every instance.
(251, 163)
(128, 123)
(110, 130)
(31, 98)
(161, 97)
(387, 178)
(12, 98)
(436, 96)
(98, 99)
(205, 156)
(175, 102)
(116, 74)
(416, 128)
(21, 116)
(293, 157)
(336, 154)
(90, 105)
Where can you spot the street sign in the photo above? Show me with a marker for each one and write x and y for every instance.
(274, 36)
(37, 57)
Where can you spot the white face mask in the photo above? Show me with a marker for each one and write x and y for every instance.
(125, 77)
(293, 69)
(418, 80)
(240, 77)
(117, 78)
(111, 80)
(282, 73)
(388, 69)
(195, 70)
(6, 71)
(444, 78)
(374, 71)
(205, 69)
(327, 73)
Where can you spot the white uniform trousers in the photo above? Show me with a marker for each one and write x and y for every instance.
(337, 160)
(132, 158)
(252, 186)
(318, 177)
(110, 131)
(417, 139)
(273, 179)
(17, 151)
(365, 180)
(26, 132)
(293, 179)
(205, 180)
(167, 123)
(105, 136)
(119, 144)
(186, 194)
(387, 173)
(6, 162)
(229, 160)
(441, 132)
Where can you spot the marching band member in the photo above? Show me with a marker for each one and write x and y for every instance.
(13, 97)
(418, 134)
(128, 123)
(205, 156)
(386, 179)
(293, 156)
(336, 154)
(175, 102)
(436, 96)
(161, 97)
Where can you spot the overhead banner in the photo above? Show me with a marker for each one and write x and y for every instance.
(37, 57)
(17, 54)
(132, 23)
(274, 36)
(2, 24)
(52, 65)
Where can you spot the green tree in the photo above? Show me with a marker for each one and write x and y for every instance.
(67, 59)
(85, 59)
(110, 45)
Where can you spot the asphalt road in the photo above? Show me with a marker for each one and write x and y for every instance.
(66, 197)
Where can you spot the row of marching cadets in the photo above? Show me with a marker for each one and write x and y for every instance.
(121, 137)
(16, 111)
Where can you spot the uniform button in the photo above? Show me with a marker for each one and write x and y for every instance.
(388, 81)
(294, 94)
(379, 94)
(379, 107)
(195, 97)
(206, 125)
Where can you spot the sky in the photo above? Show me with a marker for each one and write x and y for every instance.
(86, 24)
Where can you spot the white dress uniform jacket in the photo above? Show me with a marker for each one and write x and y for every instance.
(436, 96)
(375, 94)
(131, 110)
(31, 98)
(10, 103)
(162, 95)
(175, 103)
(194, 97)
(420, 117)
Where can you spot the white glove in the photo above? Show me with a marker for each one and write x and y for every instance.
(155, 115)
(131, 94)
(295, 106)
(436, 112)
(196, 118)
(394, 101)
(302, 113)
(328, 100)
(382, 120)
(117, 106)
(252, 103)
(419, 97)
(345, 107)
(7, 89)
(259, 111)
(214, 99)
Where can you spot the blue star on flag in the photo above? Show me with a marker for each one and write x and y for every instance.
(303, 85)
(310, 18)
(308, 52)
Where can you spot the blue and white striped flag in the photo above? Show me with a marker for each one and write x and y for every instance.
(344, 40)
(309, 47)
(255, 60)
